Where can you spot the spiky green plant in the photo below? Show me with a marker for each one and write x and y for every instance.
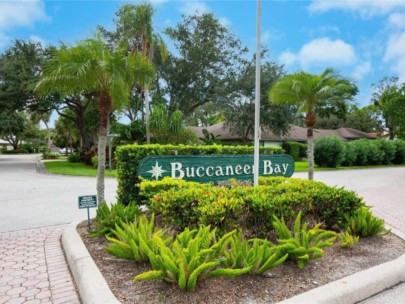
(257, 254)
(128, 241)
(108, 218)
(347, 240)
(193, 256)
(303, 244)
(363, 223)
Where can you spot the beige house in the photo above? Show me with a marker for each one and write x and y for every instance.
(297, 134)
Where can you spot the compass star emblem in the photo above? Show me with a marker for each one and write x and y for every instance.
(156, 171)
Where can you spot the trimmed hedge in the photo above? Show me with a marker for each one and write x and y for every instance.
(296, 150)
(329, 151)
(189, 204)
(129, 156)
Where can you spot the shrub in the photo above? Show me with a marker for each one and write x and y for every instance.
(363, 223)
(128, 240)
(16, 151)
(30, 148)
(361, 149)
(48, 155)
(347, 240)
(254, 207)
(294, 149)
(388, 149)
(350, 155)
(129, 156)
(399, 156)
(329, 151)
(74, 158)
(302, 244)
(259, 255)
(108, 218)
(193, 256)
(94, 161)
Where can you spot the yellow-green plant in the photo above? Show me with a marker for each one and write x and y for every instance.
(303, 244)
(259, 255)
(363, 223)
(348, 240)
(132, 241)
(108, 218)
(193, 256)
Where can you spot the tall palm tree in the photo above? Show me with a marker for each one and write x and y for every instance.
(309, 91)
(92, 67)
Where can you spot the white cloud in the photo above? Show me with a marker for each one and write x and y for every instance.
(397, 20)
(395, 54)
(192, 7)
(21, 13)
(366, 8)
(361, 70)
(35, 38)
(321, 52)
(4, 40)
(225, 22)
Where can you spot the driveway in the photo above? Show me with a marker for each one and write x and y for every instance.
(31, 200)
(382, 188)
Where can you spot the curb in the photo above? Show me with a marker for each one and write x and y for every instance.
(93, 288)
(40, 167)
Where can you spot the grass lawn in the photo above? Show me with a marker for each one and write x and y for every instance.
(302, 166)
(79, 169)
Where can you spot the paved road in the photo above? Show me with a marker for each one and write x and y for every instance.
(31, 200)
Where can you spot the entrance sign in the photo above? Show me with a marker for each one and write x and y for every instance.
(211, 168)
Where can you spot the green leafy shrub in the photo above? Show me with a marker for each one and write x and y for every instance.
(259, 255)
(128, 240)
(74, 158)
(361, 149)
(399, 156)
(350, 155)
(108, 218)
(193, 256)
(302, 244)
(16, 151)
(329, 151)
(294, 149)
(253, 207)
(388, 149)
(363, 223)
(347, 240)
(94, 161)
(129, 156)
(48, 155)
(30, 148)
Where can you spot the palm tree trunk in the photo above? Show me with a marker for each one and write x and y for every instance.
(310, 153)
(49, 134)
(105, 106)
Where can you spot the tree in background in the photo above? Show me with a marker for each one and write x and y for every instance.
(37, 117)
(92, 67)
(389, 98)
(66, 134)
(209, 58)
(239, 115)
(12, 127)
(325, 91)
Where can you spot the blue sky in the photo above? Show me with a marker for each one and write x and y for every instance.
(362, 39)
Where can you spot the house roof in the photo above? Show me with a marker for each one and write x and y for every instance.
(296, 133)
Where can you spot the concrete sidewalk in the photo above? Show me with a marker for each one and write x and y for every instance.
(33, 268)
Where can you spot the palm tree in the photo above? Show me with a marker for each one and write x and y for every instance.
(310, 91)
(92, 67)
(45, 117)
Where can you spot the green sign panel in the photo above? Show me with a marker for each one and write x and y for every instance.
(211, 168)
(88, 201)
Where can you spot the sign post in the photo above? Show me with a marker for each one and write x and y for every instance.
(88, 201)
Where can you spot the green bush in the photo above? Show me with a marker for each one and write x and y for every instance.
(350, 155)
(363, 223)
(194, 256)
(94, 161)
(388, 149)
(295, 150)
(129, 156)
(30, 148)
(329, 151)
(129, 241)
(399, 156)
(108, 218)
(362, 151)
(254, 207)
(48, 155)
(74, 158)
(302, 244)
(347, 240)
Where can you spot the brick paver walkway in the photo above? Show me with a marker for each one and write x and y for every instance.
(33, 268)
